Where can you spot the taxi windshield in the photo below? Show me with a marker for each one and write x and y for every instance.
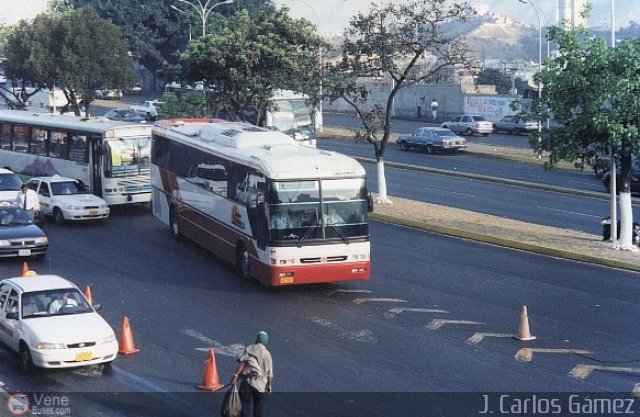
(58, 302)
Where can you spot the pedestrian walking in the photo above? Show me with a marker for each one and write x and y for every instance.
(255, 373)
(434, 109)
(28, 200)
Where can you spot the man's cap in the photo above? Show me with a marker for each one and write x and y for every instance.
(262, 337)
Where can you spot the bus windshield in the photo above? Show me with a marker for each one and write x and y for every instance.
(318, 210)
(127, 156)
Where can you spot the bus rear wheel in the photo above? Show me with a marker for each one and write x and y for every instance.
(242, 262)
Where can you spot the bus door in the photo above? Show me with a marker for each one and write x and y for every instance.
(95, 162)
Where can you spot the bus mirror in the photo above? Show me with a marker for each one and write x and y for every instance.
(370, 203)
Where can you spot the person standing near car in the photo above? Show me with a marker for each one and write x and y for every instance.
(255, 371)
(27, 199)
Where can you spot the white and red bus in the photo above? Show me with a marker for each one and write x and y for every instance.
(111, 158)
(280, 212)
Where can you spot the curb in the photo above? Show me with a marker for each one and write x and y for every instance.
(505, 242)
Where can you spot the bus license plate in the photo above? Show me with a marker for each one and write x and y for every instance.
(84, 356)
(93, 213)
(24, 252)
(286, 280)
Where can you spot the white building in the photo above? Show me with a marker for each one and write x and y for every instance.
(569, 12)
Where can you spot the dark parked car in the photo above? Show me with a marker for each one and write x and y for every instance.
(432, 138)
(635, 178)
(124, 115)
(19, 236)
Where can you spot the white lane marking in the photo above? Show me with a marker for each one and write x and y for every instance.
(478, 337)
(583, 371)
(364, 335)
(380, 300)
(398, 310)
(348, 291)
(568, 212)
(526, 354)
(451, 192)
(438, 323)
(232, 350)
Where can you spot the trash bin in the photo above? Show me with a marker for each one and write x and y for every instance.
(636, 234)
(606, 228)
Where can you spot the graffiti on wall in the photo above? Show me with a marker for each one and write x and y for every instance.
(491, 107)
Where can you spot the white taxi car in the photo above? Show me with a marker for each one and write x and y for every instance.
(48, 321)
(67, 199)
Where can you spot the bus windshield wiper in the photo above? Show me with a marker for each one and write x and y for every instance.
(340, 233)
(309, 230)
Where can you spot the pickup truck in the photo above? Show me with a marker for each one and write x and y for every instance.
(147, 109)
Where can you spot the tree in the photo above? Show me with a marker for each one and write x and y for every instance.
(391, 41)
(242, 65)
(493, 76)
(594, 94)
(77, 52)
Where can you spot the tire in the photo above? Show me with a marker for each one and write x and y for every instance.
(517, 131)
(429, 149)
(495, 129)
(404, 146)
(242, 262)
(485, 134)
(58, 216)
(468, 132)
(26, 361)
(174, 226)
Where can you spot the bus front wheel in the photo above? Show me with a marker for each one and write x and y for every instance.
(175, 226)
(242, 262)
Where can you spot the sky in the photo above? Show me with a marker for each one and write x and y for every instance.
(332, 16)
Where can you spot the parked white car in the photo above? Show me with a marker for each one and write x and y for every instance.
(147, 109)
(10, 185)
(49, 322)
(67, 199)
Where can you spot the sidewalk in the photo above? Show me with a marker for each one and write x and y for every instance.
(551, 241)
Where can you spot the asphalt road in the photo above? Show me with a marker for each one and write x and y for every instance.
(331, 343)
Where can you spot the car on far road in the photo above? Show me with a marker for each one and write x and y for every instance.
(431, 139)
(136, 89)
(635, 177)
(19, 235)
(124, 115)
(514, 125)
(67, 199)
(147, 109)
(48, 321)
(10, 185)
(107, 94)
(468, 124)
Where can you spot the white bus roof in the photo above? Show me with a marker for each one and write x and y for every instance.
(98, 125)
(276, 155)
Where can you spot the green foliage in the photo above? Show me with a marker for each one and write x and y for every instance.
(242, 64)
(493, 76)
(594, 94)
(390, 41)
(190, 104)
(77, 52)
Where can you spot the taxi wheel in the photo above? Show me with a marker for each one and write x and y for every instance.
(25, 358)
(58, 216)
(242, 262)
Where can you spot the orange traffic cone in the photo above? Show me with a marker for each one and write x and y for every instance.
(126, 339)
(210, 380)
(25, 269)
(523, 330)
(87, 294)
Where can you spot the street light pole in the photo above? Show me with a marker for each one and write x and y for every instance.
(183, 12)
(204, 10)
(539, 60)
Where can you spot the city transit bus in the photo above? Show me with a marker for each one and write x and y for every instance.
(111, 158)
(280, 212)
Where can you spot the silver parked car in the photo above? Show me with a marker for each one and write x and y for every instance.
(432, 138)
(514, 125)
(468, 124)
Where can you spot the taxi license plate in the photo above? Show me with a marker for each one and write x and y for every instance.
(84, 356)
(93, 212)
(24, 252)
